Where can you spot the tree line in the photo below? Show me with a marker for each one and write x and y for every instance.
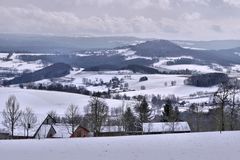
(96, 114)
(222, 115)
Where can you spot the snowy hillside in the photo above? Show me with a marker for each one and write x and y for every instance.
(156, 83)
(192, 146)
(18, 65)
(44, 101)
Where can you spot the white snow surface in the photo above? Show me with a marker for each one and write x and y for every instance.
(154, 85)
(162, 63)
(18, 65)
(192, 67)
(44, 101)
(189, 146)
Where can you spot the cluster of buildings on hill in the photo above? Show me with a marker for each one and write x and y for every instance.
(49, 128)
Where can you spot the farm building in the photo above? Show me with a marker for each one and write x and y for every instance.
(51, 129)
(112, 131)
(80, 132)
(166, 127)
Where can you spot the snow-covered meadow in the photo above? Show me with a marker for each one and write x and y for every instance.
(19, 65)
(44, 101)
(189, 146)
(156, 83)
(162, 63)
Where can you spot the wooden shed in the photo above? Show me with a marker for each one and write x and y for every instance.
(80, 132)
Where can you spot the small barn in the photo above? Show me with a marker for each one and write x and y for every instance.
(166, 127)
(80, 132)
(112, 131)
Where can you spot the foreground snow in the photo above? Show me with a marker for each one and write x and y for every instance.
(192, 146)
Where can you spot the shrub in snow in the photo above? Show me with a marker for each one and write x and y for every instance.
(143, 79)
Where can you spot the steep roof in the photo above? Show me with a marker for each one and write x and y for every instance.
(43, 131)
(62, 130)
(106, 129)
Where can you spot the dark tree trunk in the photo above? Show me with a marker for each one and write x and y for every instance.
(12, 130)
(222, 118)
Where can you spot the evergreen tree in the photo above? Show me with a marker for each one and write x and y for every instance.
(129, 120)
(170, 113)
(144, 112)
(168, 110)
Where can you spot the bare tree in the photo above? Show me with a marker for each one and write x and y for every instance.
(28, 119)
(72, 117)
(54, 115)
(234, 106)
(11, 114)
(98, 111)
(221, 97)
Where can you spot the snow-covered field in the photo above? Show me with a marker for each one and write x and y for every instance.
(192, 67)
(44, 101)
(162, 64)
(190, 146)
(18, 65)
(156, 83)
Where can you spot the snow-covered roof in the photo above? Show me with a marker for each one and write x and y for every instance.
(62, 130)
(166, 127)
(105, 129)
(43, 131)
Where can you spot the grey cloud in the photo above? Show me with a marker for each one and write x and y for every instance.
(158, 18)
(234, 3)
(216, 28)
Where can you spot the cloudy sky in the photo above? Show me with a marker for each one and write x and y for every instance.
(169, 19)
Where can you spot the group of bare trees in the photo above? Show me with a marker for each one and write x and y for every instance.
(72, 117)
(96, 113)
(228, 104)
(13, 116)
